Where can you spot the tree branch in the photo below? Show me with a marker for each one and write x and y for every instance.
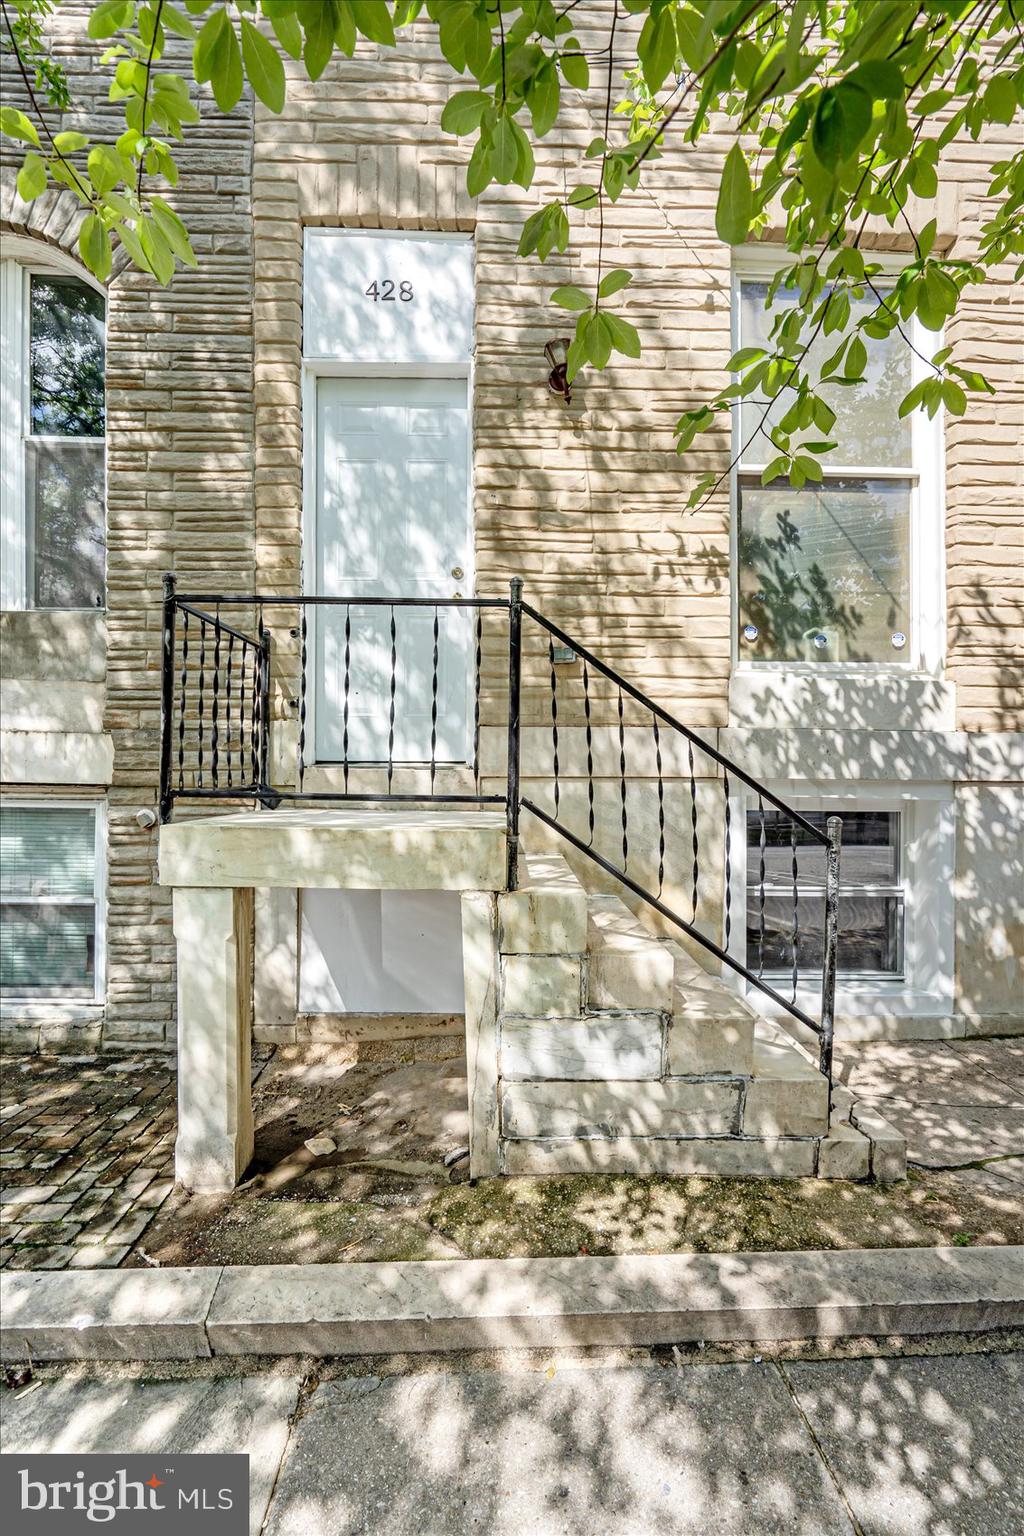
(84, 191)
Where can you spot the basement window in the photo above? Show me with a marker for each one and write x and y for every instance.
(53, 472)
(51, 902)
(871, 894)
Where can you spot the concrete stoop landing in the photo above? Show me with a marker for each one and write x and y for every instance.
(616, 1052)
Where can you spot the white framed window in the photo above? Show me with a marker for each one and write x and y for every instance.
(895, 898)
(52, 900)
(52, 490)
(845, 575)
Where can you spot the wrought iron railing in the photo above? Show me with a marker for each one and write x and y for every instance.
(651, 824)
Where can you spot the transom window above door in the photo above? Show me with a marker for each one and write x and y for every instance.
(845, 571)
(53, 471)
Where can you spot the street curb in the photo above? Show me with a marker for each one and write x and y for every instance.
(634, 1299)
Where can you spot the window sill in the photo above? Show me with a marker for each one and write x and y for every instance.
(73, 1010)
(836, 696)
(863, 999)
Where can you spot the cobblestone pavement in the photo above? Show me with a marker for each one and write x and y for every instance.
(86, 1157)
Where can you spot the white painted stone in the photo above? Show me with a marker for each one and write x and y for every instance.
(673, 1108)
(56, 757)
(481, 972)
(844, 1153)
(888, 1147)
(623, 1046)
(444, 850)
(541, 986)
(724, 1157)
(628, 967)
(699, 1044)
(548, 914)
(786, 1106)
(214, 930)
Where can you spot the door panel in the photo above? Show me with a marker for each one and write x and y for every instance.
(392, 519)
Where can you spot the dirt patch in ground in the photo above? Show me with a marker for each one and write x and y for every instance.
(396, 1188)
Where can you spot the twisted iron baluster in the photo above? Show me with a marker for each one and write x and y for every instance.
(215, 736)
(622, 783)
(433, 706)
(227, 702)
(348, 669)
(254, 706)
(590, 755)
(303, 635)
(693, 820)
(762, 844)
(476, 697)
(184, 698)
(202, 684)
(391, 704)
(661, 806)
(257, 711)
(554, 720)
(243, 694)
(728, 857)
(796, 916)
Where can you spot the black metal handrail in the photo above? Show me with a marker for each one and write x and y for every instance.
(215, 745)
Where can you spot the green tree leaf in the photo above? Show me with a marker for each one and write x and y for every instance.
(17, 126)
(109, 17)
(106, 168)
(463, 112)
(318, 23)
(735, 199)
(574, 66)
(218, 58)
(570, 297)
(614, 282)
(374, 21)
(625, 337)
(505, 150)
(263, 67)
(542, 97)
(657, 48)
(94, 246)
(32, 177)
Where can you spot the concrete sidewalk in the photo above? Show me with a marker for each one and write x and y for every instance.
(926, 1446)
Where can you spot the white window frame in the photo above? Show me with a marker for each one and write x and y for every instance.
(22, 259)
(927, 868)
(13, 1000)
(925, 650)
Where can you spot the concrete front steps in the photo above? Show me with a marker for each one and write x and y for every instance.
(618, 1053)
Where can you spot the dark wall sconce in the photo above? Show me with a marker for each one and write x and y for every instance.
(557, 353)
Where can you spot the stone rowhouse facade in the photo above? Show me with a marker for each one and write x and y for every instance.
(205, 465)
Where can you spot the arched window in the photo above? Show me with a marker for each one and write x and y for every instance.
(53, 462)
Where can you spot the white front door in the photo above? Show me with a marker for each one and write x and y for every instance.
(392, 521)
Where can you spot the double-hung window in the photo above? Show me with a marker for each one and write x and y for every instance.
(840, 571)
(53, 471)
(871, 894)
(51, 902)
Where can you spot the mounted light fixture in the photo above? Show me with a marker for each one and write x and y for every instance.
(557, 353)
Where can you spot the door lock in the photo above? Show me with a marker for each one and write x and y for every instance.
(457, 572)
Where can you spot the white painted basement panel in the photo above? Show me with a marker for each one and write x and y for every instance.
(387, 298)
(381, 952)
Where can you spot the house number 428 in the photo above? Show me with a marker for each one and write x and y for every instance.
(384, 291)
